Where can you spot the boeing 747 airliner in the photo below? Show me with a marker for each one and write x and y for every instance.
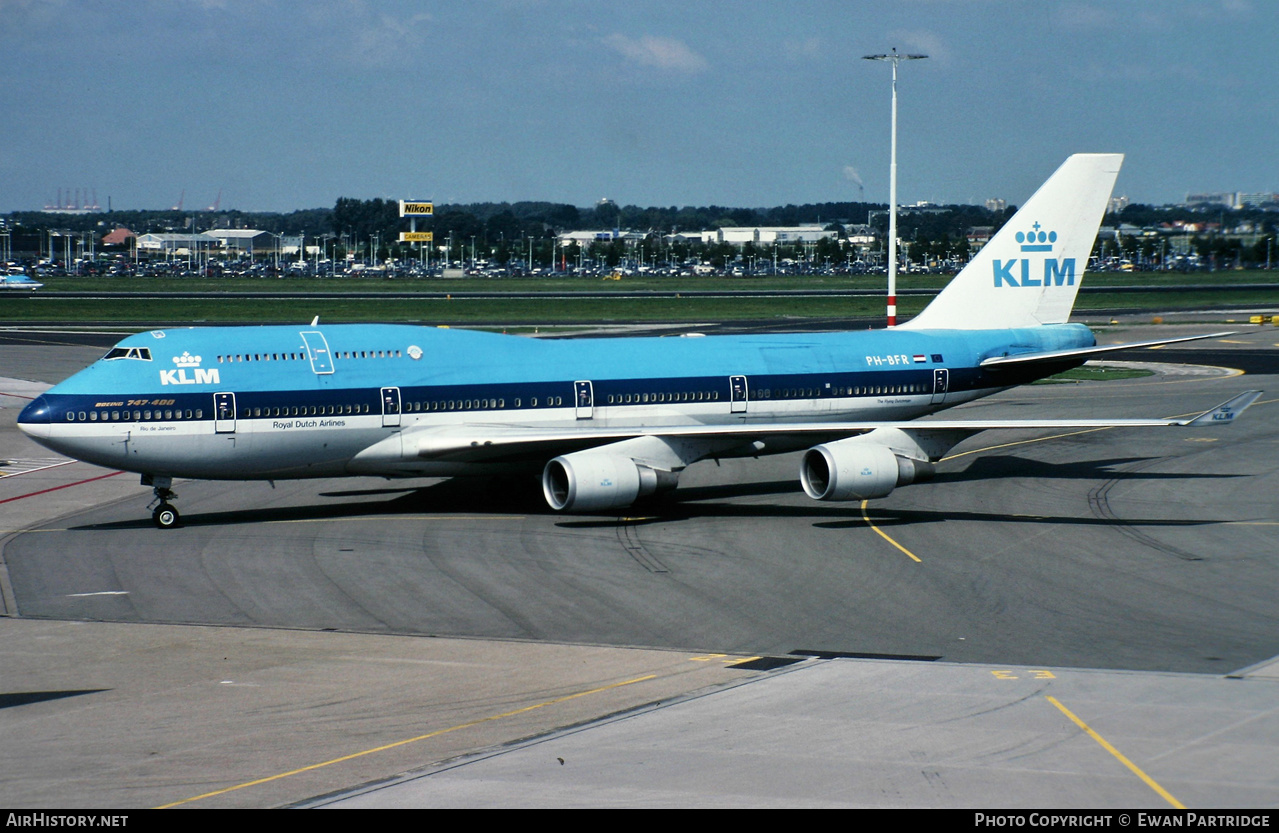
(606, 421)
(15, 277)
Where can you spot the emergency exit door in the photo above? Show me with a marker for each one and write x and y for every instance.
(584, 399)
(941, 383)
(390, 407)
(737, 394)
(224, 413)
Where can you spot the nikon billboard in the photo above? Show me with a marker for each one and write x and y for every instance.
(413, 208)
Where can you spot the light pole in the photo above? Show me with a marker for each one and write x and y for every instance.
(892, 185)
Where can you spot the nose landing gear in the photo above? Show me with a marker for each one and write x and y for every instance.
(165, 515)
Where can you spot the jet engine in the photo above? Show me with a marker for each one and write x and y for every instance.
(588, 480)
(854, 469)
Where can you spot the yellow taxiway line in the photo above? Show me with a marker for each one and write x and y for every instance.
(406, 741)
(1136, 770)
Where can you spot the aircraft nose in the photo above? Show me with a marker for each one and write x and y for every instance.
(36, 419)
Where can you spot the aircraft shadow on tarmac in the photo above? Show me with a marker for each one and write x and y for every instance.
(521, 496)
(470, 495)
(23, 698)
(885, 517)
(1005, 466)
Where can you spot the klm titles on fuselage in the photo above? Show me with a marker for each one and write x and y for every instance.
(198, 375)
(1055, 272)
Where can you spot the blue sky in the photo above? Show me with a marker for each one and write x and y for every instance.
(284, 105)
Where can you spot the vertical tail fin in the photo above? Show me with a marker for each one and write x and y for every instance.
(1029, 273)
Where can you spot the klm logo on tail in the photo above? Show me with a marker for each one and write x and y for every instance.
(1055, 272)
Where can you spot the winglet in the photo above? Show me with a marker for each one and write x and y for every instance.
(1225, 413)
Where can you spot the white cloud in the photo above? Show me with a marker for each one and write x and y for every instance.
(388, 39)
(662, 53)
(800, 50)
(1085, 18)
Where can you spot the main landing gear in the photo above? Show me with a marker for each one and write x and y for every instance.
(165, 515)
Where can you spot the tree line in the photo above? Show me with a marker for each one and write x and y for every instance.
(505, 231)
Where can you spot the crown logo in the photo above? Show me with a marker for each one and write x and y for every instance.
(1036, 240)
(186, 360)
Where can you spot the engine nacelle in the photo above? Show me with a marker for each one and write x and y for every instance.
(588, 480)
(857, 470)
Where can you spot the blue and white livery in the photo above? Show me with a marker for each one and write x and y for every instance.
(606, 421)
(15, 277)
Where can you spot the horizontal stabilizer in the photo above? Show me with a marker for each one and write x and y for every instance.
(997, 362)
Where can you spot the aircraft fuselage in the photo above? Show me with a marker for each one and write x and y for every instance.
(290, 402)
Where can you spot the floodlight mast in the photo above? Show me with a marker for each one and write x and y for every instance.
(892, 185)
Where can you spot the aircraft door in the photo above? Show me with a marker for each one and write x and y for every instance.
(941, 383)
(737, 393)
(584, 399)
(390, 407)
(317, 350)
(224, 413)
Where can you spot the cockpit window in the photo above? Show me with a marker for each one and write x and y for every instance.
(138, 353)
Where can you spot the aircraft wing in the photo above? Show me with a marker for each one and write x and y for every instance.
(1017, 359)
(505, 443)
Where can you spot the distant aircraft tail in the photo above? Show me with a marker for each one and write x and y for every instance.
(1029, 273)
